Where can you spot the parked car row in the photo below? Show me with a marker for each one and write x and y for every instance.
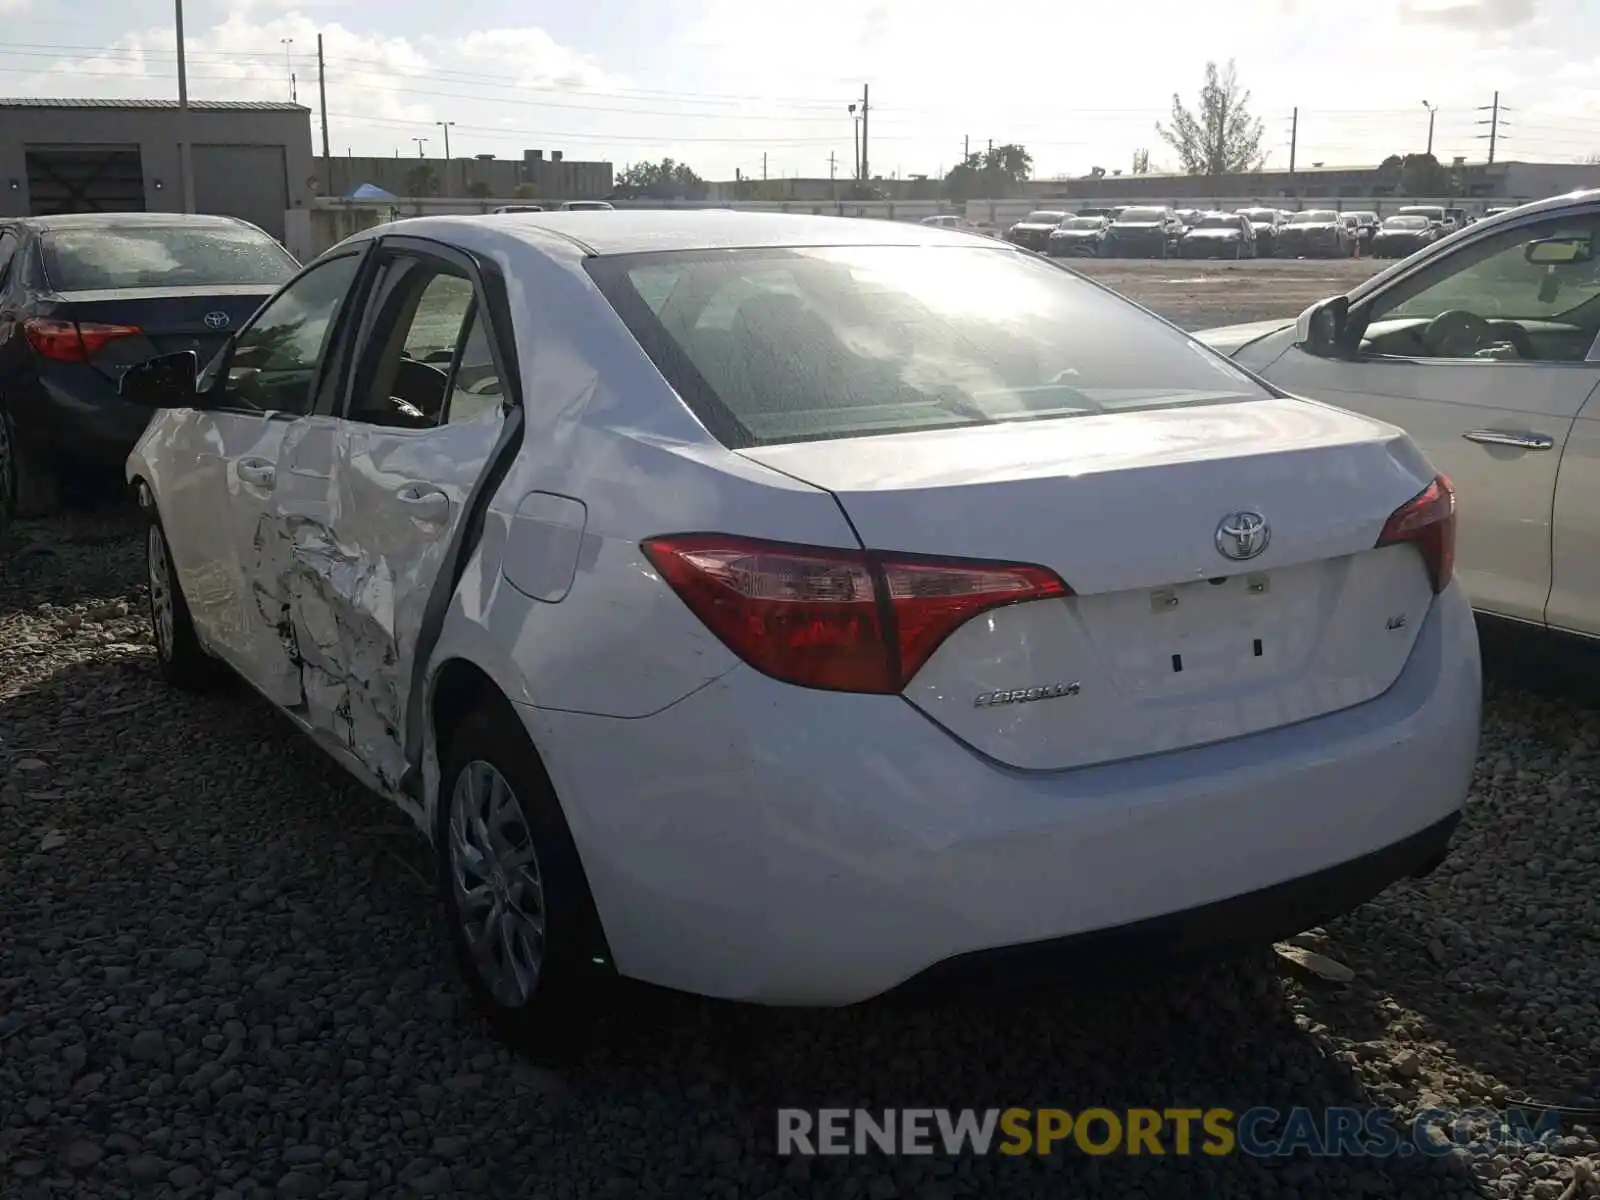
(1159, 232)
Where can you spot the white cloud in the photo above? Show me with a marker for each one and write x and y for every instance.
(538, 60)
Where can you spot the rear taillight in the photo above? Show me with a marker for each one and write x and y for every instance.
(72, 341)
(1428, 520)
(845, 620)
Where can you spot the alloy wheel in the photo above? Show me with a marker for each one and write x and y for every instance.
(497, 885)
(162, 616)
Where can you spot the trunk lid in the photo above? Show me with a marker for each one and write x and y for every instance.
(1166, 642)
(169, 319)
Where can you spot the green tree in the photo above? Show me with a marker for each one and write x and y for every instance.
(1418, 174)
(422, 180)
(479, 189)
(1220, 137)
(664, 180)
(1141, 162)
(526, 191)
(997, 171)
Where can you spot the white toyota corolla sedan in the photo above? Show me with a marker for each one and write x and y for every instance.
(796, 609)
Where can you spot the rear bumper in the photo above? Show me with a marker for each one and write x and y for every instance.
(762, 842)
(71, 410)
(1154, 947)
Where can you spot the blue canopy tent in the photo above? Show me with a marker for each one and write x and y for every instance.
(371, 191)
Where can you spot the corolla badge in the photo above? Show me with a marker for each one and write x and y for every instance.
(217, 320)
(1242, 535)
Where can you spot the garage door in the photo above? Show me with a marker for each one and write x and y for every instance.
(75, 179)
(249, 182)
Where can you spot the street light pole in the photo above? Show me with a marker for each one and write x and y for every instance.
(185, 160)
(855, 123)
(1432, 111)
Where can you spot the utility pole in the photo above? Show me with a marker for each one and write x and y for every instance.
(763, 166)
(445, 125)
(833, 184)
(1432, 112)
(185, 159)
(1294, 137)
(1494, 123)
(421, 142)
(322, 94)
(966, 146)
(866, 175)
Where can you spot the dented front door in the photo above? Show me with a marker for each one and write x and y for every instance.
(374, 501)
(270, 375)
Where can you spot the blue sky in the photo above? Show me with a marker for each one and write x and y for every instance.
(719, 83)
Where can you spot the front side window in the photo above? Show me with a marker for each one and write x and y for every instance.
(801, 344)
(1487, 300)
(272, 362)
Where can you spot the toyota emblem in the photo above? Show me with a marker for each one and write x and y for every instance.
(1242, 535)
(217, 320)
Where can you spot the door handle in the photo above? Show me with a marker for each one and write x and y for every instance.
(425, 504)
(1510, 437)
(258, 472)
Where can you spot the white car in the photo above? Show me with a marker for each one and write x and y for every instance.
(1485, 347)
(792, 609)
(585, 206)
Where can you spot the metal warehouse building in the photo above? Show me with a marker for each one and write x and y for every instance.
(251, 159)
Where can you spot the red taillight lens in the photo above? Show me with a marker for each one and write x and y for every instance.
(844, 620)
(72, 341)
(1429, 520)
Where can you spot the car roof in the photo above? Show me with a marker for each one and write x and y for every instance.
(131, 220)
(636, 231)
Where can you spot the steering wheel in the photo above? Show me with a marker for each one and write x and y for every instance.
(1457, 333)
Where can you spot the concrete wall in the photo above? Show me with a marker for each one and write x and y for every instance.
(561, 180)
(155, 132)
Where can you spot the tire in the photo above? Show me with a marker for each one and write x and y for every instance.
(516, 857)
(27, 483)
(179, 656)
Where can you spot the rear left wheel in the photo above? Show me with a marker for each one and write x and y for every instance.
(521, 921)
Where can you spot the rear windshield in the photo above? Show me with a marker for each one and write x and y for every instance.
(1042, 218)
(1142, 214)
(801, 344)
(1084, 223)
(1257, 215)
(1315, 216)
(80, 260)
(1218, 221)
(1406, 223)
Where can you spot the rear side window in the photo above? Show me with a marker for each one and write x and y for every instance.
(138, 256)
(813, 343)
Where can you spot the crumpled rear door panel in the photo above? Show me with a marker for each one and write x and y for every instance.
(359, 578)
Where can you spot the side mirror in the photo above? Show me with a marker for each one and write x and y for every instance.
(1321, 329)
(1558, 251)
(165, 381)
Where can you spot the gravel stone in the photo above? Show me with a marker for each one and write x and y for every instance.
(231, 978)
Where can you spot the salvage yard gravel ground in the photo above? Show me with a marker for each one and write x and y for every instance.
(222, 974)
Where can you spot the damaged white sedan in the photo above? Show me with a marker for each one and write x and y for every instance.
(797, 610)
